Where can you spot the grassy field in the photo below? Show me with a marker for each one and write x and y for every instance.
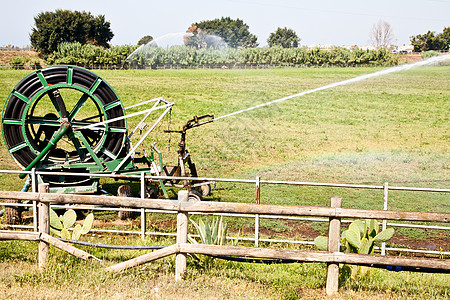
(388, 129)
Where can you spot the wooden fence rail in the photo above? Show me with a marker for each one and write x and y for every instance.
(216, 207)
(183, 206)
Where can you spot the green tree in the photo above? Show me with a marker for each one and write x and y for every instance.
(445, 37)
(53, 28)
(144, 40)
(234, 32)
(431, 41)
(284, 37)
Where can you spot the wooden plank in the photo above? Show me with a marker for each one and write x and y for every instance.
(66, 247)
(182, 234)
(144, 259)
(316, 256)
(19, 235)
(334, 242)
(215, 207)
(44, 225)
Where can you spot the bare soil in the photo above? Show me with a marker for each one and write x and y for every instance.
(410, 58)
(7, 56)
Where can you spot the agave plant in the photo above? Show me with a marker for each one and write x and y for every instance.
(214, 233)
(60, 225)
(360, 237)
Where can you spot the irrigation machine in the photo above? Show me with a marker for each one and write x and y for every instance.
(66, 119)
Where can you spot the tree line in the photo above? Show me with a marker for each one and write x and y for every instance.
(73, 37)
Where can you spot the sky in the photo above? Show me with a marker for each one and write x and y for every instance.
(337, 22)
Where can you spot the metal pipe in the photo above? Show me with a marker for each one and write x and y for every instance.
(412, 189)
(56, 137)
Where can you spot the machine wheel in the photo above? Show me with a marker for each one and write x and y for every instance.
(205, 190)
(195, 196)
(13, 214)
(124, 191)
(38, 106)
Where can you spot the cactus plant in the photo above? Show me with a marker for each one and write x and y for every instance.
(60, 225)
(211, 234)
(360, 237)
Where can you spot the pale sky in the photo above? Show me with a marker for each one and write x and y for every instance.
(345, 22)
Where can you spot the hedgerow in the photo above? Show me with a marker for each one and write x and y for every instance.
(77, 54)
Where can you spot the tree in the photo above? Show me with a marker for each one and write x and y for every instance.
(445, 35)
(53, 28)
(381, 34)
(284, 37)
(234, 32)
(431, 41)
(145, 40)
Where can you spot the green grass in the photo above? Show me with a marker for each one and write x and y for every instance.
(388, 129)
(68, 277)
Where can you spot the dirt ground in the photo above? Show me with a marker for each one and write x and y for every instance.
(6, 56)
(410, 58)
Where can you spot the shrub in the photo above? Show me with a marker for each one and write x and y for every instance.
(360, 237)
(18, 62)
(60, 225)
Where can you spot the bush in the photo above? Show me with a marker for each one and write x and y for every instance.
(429, 54)
(18, 62)
(77, 54)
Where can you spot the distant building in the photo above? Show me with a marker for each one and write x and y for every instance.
(368, 47)
(406, 49)
(321, 47)
(351, 47)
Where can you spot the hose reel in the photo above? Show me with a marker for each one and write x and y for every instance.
(45, 115)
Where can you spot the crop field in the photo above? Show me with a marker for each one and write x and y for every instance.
(394, 128)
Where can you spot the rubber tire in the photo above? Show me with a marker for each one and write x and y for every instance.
(13, 214)
(124, 191)
(205, 190)
(195, 196)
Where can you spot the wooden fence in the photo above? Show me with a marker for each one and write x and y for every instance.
(183, 206)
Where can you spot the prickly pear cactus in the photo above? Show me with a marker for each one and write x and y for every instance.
(60, 225)
(360, 237)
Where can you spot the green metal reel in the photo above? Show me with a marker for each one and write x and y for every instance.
(44, 103)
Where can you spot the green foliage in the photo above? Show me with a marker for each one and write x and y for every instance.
(78, 54)
(18, 61)
(86, 55)
(428, 54)
(190, 56)
(234, 32)
(431, 41)
(35, 63)
(54, 28)
(144, 40)
(214, 233)
(284, 37)
(360, 237)
(60, 225)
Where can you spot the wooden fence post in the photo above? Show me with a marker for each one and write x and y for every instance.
(143, 215)
(182, 233)
(334, 241)
(43, 224)
(258, 195)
